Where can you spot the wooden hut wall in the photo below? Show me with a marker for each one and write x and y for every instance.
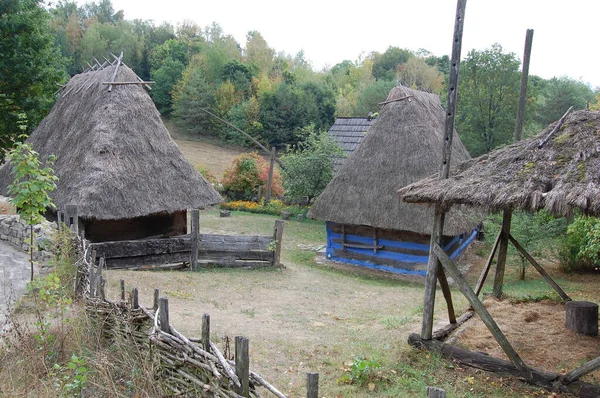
(154, 225)
(402, 252)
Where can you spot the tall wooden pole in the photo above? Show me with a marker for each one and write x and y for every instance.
(270, 179)
(433, 265)
(507, 217)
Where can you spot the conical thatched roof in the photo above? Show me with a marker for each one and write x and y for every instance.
(403, 145)
(561, 175)
(115, 158)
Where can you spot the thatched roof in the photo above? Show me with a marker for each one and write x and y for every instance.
(115, 158)
(561, 175)
(348, 133)
(403, 145)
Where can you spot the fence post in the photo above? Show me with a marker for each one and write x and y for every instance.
(206, 332)
(312, 385)
(135, 303)
(163, 316)
(278, 236)
(156, 293)
(72, 218)
(434, 392)
(242, 365)
(122, 282)
(195, 237)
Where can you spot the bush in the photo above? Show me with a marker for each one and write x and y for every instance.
(208, 176)
(248, 172)
(580, 249)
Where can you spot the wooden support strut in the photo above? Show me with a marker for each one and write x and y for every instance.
(433, 266)
(502, 254)
(488, 264)
(480, 309)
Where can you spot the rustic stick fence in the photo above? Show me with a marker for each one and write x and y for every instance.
(185, 366)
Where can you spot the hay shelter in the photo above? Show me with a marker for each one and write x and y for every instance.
(558, 172)
(366, 223)
(116, 160)
(348, 133)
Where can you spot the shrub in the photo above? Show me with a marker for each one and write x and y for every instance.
(248, 172)
(580, 249)
(208, 176)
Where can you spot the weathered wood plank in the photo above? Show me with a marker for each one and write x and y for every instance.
(480, 309)
(204, 258)
(443, 332)
(194, 238)
(242, 365)
(581, 371)
(312, 385)
(278, 238)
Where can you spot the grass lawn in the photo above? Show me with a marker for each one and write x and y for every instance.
(349, 327)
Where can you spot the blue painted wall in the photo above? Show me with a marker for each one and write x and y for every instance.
(414, 262)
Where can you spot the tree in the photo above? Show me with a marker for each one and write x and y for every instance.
(247, 173)
(165, 79)
(258, 52)
(385, 65)
(308, 165)
(191, 93)
(369, 98)
(30, 66)
(487, 99)
(31, 187)
(558, 95)
(417, 74)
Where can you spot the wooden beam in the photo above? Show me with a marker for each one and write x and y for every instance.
(561, 121)
(523, 91)
(195, 237)
(270, 176)
(480, 309)
(116, 69)
(540, 269)
(242, 365)
(312, 385)
(126, 83)
(581, 371)
(502, 254)
(438, 224)
(442, 333)
(488, 264)
(447, 295)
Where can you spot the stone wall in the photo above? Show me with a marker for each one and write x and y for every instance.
(16, 232)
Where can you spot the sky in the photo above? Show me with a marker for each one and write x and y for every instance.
(330, 31)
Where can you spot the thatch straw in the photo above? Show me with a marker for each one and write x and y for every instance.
(115, 158)
(403, 145)
(561, 175)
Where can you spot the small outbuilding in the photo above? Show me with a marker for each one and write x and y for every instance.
(115, 159)
(348, 133)
(366, 223)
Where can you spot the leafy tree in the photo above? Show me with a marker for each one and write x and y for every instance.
(245, 116)
(580, 249)
(369, 98)
(558, 95)
(596, 105)
(487, 99)
(248, 172)
(191, 93)
(31, 187)
(385, 65)
(30, 66)
(417, 74)
(308, 165)
(240, 75)
(165, 79)
(258, 52)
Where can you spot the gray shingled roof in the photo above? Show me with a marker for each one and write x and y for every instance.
(348, 132)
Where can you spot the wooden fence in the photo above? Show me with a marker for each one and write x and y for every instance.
(184, 366)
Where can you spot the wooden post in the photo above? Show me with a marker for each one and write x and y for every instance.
(155, 305)
(206, 332)
(582, 317)
(135, 301)
(502, 253)
(523, 92)
(270, 179)
(581, 371)
(312, 385)
(482, 311)
(72, 218)
(539, 268)
(122, 283)
(242, 365)
(59, 216)
(434, 392)
(278, 237)
(433, 265)
(195, 237)
(488, 264)
(163, 314)
(260, 193)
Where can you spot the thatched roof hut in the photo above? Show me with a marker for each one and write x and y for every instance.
(562, 174)
(348, 133)
(403, 145)
(115, 158)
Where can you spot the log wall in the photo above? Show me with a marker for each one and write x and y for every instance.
(136, 228)
(401, 252)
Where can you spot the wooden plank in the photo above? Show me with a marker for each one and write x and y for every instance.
(278, 238)
(442, 333)
(362, 246)
(499, 366)
(116, 69)
(488, 265)
(540, 269)
(204, 258)
(206, 332)
(126, 83)
(378, 260)
(502, 254)
(480, 309)
(242, 365)
(194, 238)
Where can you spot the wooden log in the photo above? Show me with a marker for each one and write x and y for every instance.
(278, 237)
(442, 333)
(242, 365)
(206, 332)
(163, 314)
(582, 317)
(488, 264)
(135, 301)
(433, 266)
(126, 83)
(195, 236)
(312, 385)
(502, 254)
(114, 75)
(447, 295)
(434, 392)
(523, 90)
(584, 369)
(215, 350)
(539, 268)
(561, 121)
(155, 304)
(122, 283)
(481, 311)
